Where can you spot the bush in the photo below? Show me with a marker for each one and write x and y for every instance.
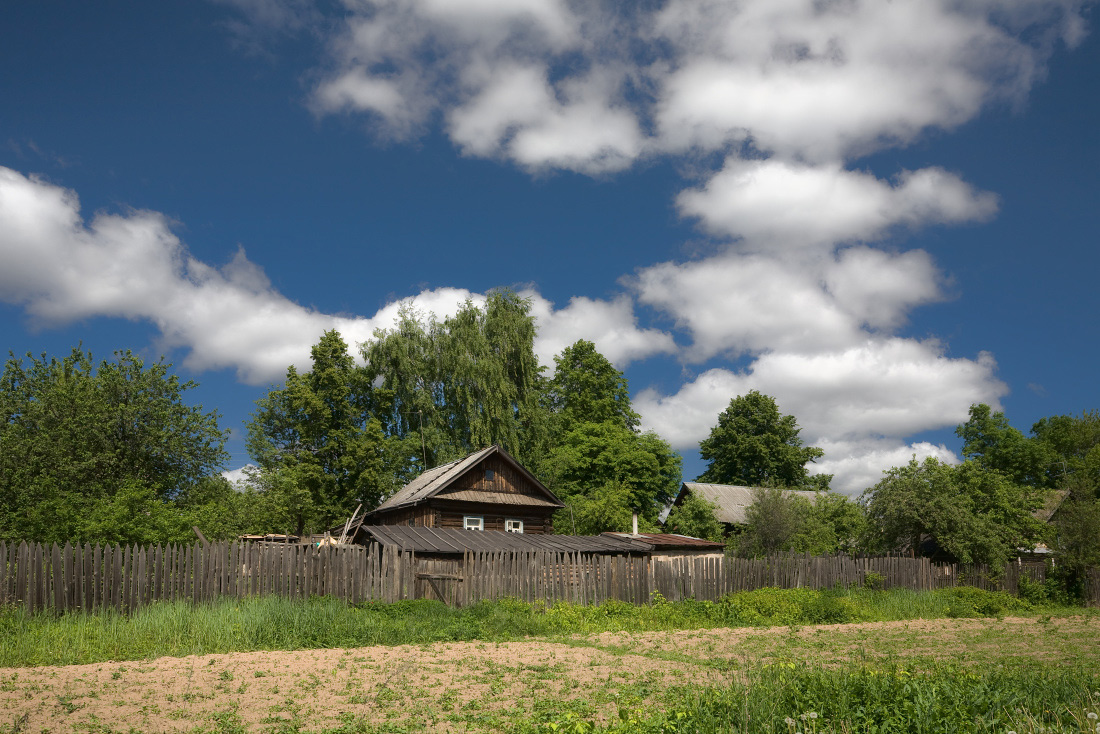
(874, 581)
(970, 601)
(787, 606)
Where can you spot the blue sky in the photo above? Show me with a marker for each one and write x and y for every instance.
(879, 213)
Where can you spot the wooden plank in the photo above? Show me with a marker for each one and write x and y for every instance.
(115, 586)
(6, 569)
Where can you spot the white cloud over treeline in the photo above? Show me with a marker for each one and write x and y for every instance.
(770, 104)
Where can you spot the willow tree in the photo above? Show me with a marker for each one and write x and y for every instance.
(445, 388)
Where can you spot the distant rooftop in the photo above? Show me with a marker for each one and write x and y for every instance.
(734, 500)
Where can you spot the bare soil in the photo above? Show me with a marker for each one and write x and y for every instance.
(476, 686)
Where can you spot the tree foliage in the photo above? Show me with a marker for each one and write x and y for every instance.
(592, 457)
(95, 452)
(317, 441)
(973, 513)
(586, 388)
(755, 445)
(1073, 447)
(779, 520)
(694, 517)
(447, 388)
(1077, 540)
(991, 443)
(597, 457)
(774, 518)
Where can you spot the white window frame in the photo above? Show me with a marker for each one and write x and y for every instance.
(513, 526)
(473, 522)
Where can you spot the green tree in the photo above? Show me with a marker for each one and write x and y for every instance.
(1073, 444)
(316, 439)
(84, 446)
(992, 443)
(695, 518)
(586, 388)
(598, 457)
(973, 513)
(755, 445)
(445, 389)
(594, 456)
(835, 524)
(1077, 538)
(779, 520)
(774, 519)
(605, 508)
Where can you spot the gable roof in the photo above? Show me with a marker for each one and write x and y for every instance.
(435, 481)
(734, 500)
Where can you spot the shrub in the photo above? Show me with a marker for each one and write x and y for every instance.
(874, 581)
(970, 601)
(787, 606)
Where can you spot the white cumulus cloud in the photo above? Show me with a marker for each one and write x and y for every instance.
(872, 394)
(61, 269)
(776, 205)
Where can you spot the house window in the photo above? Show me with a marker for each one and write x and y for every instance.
(513, 526)
(473, 522)
(489, 474)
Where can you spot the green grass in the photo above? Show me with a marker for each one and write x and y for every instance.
(1038, 674)
(790, 698)
(271, 623)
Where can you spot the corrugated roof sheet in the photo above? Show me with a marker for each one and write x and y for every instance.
(455, 540)
(670, 541)
(733, 500)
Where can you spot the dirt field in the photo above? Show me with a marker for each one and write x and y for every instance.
(479, 686)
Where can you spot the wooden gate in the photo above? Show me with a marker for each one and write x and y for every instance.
(439, 579)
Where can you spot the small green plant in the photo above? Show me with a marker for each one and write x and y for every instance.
(874, 581)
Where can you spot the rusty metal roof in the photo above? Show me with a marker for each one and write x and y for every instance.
(455, 540)
(670, 541)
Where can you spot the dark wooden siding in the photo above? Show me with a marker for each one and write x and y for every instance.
(418, 516)
(505, 480)
(535, 520)
(439, 514)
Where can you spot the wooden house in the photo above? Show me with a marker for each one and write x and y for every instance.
(487, 490)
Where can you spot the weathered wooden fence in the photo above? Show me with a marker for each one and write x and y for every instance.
(40, 577)
(125, 578)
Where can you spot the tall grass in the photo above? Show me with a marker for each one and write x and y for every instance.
(272, 623)
(789, 698)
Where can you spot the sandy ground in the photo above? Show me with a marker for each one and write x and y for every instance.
(466, 686)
